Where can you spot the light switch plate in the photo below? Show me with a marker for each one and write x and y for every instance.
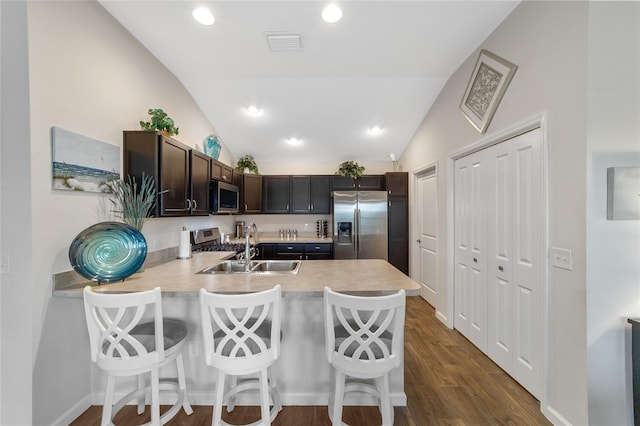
(561, 258)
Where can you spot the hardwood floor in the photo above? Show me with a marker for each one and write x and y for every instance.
(448, 381)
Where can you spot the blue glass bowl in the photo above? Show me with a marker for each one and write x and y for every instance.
(108, 252)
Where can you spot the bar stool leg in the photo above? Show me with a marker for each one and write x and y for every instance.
(264, 393)
(217, 408)
(141, 399)
(338, 399)
(386, 409)
(231, 404)
(107, 407)
(186, 406)
(155, 397)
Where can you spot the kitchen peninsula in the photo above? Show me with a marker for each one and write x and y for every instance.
(302, 372)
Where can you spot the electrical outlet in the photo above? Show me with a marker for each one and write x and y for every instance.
(193, 348)
(561, 258)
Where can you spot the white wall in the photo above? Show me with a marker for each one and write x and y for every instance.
(548, 42)
(90, 76)
(15, 220)
(613, 247)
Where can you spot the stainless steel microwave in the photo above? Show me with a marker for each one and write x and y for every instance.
(225, 197)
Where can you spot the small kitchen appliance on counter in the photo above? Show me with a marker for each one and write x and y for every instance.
(240, 227)
(209, 239)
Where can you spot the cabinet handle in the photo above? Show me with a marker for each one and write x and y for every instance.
(309, 206)
(188, 204)
(287, 206)
(312, 207)
(195, 205)
(389, 192)
(500, 268)
(389, 203)
(245, 208)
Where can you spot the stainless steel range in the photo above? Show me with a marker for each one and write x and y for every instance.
(208, 239)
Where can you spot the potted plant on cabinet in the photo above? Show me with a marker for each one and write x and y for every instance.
(161, 122)
(247, 163)
(350, 169)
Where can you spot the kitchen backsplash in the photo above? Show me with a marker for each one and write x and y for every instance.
(271, 223)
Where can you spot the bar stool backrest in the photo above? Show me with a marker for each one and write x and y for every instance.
(241, 332)
(364, 335)
(110, 320)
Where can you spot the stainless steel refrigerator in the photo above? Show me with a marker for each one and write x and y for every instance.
(360, 225)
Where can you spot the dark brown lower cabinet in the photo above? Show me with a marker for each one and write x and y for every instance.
(398, 217)
(288, 251)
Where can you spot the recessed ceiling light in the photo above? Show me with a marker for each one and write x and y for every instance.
(203, 16)
(294, 141)
(375, 130)
(331, 14)
(253, 110)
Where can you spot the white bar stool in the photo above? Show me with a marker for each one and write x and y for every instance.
(241, 334)
(122, 345)
(364, 340)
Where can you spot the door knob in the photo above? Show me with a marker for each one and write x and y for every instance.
(500, 268)
(475, 260)
(419, 241)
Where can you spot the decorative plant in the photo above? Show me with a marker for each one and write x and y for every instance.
(351, 169)
(160, 121)
(247, 162)
(132, 204)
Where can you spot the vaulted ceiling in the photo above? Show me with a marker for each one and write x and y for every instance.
(383, 64)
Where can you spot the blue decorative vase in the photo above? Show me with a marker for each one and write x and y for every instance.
(212, 146)
(108, 251)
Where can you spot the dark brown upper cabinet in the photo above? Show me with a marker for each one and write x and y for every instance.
(251, 193)
(310, 194)
(181, 173)
(275, 194)
(363, 183)
(220, 171)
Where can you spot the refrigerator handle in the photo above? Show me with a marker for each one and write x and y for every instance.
(355, 231)
(358, 232)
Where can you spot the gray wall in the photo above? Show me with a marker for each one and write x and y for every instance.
(548, 42)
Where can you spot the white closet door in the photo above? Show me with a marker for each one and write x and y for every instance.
(528, 258)
(499, 213)
(470, 242)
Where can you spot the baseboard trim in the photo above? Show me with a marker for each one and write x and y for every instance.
(74, 412)
(554, 417)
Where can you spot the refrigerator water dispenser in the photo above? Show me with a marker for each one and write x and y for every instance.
(345, 233)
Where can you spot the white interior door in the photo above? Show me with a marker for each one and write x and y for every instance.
(427, 192)
(470, 312)
(499, 254)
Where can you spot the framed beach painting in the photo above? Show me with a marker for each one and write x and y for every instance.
(81, 163)
(489, 80)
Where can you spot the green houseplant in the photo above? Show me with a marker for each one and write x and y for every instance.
(351, 169)
(160, 121)
(247, 162)
(133, 204)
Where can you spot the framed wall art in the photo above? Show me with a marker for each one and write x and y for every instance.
(623, 193)
(81, 163)
(489, 80)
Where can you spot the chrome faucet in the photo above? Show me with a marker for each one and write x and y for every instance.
(247, 244)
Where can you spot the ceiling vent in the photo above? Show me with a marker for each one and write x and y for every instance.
(279, 42)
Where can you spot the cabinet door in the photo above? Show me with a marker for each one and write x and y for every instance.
(318, 251)
(371, 183)
(300, 194)
(399, 233)
(221, 171)
(275, 194)
(252, 193)
(397, 184)
(200, 172)
(174, 178)
(289, 251)
(343, 183)
(320, 188)
(267, 251)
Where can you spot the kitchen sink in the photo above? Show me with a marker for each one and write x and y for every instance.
(255, 267)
